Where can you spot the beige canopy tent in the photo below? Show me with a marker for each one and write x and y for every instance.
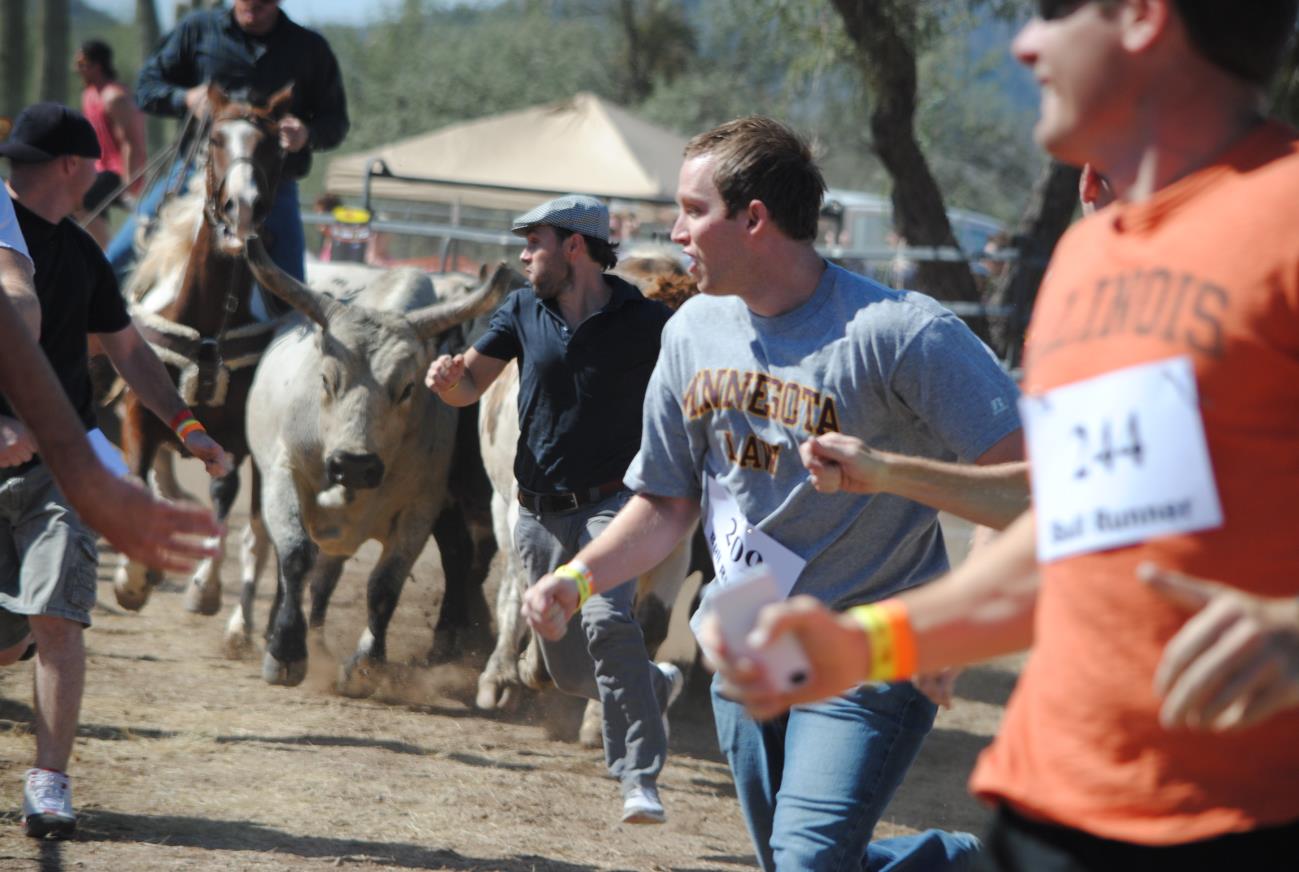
(516, 160)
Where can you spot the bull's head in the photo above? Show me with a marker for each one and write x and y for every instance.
(372, 368)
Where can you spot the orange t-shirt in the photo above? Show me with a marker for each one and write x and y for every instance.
(1207, 268)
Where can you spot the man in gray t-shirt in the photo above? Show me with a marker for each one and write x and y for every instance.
(781, 350)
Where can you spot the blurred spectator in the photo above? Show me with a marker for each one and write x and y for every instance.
(119, 126)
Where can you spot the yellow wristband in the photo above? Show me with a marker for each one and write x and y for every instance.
(579, 574)
(892, 641)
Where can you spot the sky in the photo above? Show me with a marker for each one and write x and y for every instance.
(311, 12)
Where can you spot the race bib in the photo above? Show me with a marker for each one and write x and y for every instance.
(736, 545)
(1119, 459)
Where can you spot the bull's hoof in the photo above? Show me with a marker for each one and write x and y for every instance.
(591, 733)
(132, 589)
(443, 650)
(284, 674)
(496, 694)
(359, 676)
(236, 646)
(202, 597)
(532, 668)
(237, 643)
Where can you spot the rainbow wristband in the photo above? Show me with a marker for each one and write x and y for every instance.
(184, 423)
(579, 574)
(893, 642)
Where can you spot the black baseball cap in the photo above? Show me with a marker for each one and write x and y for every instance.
(44, 131)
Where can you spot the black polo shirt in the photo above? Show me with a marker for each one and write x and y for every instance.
(581, 393)
(78, 294)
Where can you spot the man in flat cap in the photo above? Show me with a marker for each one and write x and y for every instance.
(586, 344)
(47, 553)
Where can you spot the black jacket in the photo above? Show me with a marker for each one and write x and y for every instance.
(210, 47)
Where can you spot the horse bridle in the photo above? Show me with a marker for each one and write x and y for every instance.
(259, 175)
(208, 358)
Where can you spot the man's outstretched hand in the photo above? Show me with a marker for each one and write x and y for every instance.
(1236, 660)
(164, 535)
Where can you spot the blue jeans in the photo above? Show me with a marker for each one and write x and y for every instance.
(813, 783)
(288, 243)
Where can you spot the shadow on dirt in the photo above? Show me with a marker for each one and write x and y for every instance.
(245, 836)
(990, 684)
(329, 742)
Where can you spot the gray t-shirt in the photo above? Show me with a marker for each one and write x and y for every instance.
(734, 394)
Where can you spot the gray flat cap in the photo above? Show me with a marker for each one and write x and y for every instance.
(576, 212)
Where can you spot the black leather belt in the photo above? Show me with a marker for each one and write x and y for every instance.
(542, 503)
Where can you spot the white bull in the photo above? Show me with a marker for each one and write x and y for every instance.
(350, 447)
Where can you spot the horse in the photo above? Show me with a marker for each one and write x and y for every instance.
(207, 333)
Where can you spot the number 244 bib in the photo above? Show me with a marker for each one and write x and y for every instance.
(1119, 459)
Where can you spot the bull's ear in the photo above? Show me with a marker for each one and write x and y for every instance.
(482, 272)
(217, 99)
(278, 106)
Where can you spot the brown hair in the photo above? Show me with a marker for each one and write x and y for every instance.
(602, 252)
(758, 158)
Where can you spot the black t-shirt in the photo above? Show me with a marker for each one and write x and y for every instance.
(581, 392)
(79, 295)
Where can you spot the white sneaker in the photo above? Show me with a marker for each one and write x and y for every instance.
(47, 805)
(676, 684)
(641, 805)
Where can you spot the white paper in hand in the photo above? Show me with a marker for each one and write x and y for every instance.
(737, 606)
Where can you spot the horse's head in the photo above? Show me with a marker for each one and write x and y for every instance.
(243, 164)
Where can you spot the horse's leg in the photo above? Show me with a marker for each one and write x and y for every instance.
(162, 478)
(499, 683)
(133, 581)
(286, 648)
(253, 549)
(203, 596)
(383, 590)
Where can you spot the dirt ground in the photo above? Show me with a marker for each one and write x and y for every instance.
(185, 760)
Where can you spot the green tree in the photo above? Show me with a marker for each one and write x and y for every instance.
(150, 30)
(56, 26)
(659, 45)
(13, 62)
(886, 33)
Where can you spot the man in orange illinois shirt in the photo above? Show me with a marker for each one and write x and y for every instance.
(1157, 719)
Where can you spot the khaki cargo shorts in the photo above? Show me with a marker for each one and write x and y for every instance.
(48, 559)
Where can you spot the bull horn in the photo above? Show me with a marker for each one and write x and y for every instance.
(318, 307)
(439, 317)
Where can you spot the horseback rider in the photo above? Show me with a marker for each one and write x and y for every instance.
(252, 50)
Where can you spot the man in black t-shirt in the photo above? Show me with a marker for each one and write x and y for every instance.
(586, 344)
(47, 555)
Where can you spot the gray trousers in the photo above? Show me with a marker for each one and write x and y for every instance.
(602, 656)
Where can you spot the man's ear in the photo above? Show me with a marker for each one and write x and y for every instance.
(574, 244)
(1144, 22)
(756, 216)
